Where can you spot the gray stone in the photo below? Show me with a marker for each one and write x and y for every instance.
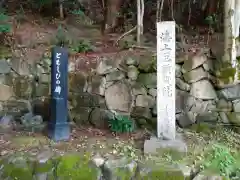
(31, 122)
(200, 106)
(6, 92)
(138, 89)
(230, 93)
(207, 117)
(44, 156)
(105, 66)
(145, 101)
(45, 78)
(203, 90)
(236, 105)
(223, 105)
(183, 101)
(182, 85)
(16, 108)
(132, 61)
(100, 118)
(155, 144)
(141, 112)
(234, 118)
(97, 85)
(194, 62)
(115, 75)
(202, 176)
(181, 57)
(4, 67)
(195, 75)
(132, 73)
(223, 117)
(178, 70)
(159, 171)
(208, 66)
(152, 92)
(119, 97)
(186, 119)
(80, 115)
(119, 169)
(148, 80)
(7, 122)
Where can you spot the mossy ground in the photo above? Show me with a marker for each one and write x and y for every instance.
(201, 140)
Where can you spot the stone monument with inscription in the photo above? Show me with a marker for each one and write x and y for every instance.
(59, 128)
(166, 80)
(166, 120)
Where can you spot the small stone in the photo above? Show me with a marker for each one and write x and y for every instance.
(152, 92)
(97, 85)
(178, 71)
(148, 80)
(207, 117)
(145, 101)
(115, 75)
(208, 66)
(203, 90)
(195, 75)
(236, 105)
(194, 62)
(223, 105)
(131, 61)
(223, 117)
(186, 119)
(138, 89)
(119, 169)
(234, 118)
(4, 67)
(141, 112)
(6, 92)
(7, 122)
(182, 85)
(105, 66)
(100, 118)
(231, 93)
(132, 73)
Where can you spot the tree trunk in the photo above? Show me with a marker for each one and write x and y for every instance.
(111, 14)
(231, 33)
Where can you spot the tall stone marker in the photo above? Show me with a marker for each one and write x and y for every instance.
(59, 128)
(166, 121)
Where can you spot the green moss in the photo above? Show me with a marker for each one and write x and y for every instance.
(201, 128)
(163, 173)
(44, 167)
(226, 73)
(173, 154)
(75, 167)
(5, 52)
(19, 168)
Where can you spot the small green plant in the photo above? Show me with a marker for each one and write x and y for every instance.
(82, 47)
(121, 124)
(5, 27)
(221, 160)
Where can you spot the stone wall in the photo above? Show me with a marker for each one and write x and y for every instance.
(123, 82)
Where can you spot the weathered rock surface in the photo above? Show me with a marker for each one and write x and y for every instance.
(119, 97)
(203, 90)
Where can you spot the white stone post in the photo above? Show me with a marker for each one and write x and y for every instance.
(166, 120)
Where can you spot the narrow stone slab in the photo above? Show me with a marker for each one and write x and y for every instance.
(166, 125)
(154, 145)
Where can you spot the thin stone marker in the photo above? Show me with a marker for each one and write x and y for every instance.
(166, 120)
